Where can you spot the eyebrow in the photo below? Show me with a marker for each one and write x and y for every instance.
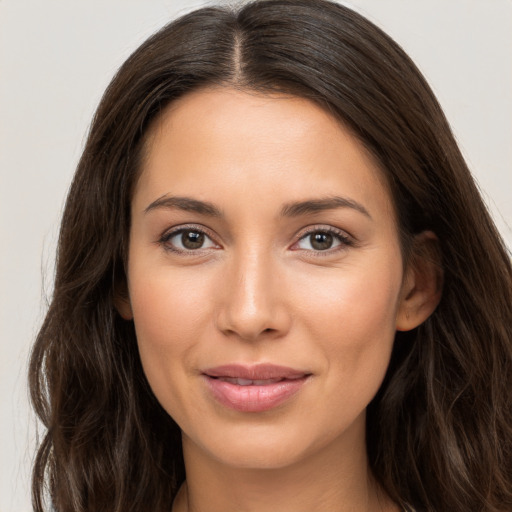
(319, 205)
(185, 203)
(294, 209)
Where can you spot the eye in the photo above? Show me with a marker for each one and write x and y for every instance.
(187, 239)
(323, 240)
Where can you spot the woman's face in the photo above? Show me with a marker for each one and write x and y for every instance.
(265, 277)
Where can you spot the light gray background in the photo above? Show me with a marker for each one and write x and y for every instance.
(56, 58)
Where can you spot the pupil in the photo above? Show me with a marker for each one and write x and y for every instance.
(192, 239)
(321, 241)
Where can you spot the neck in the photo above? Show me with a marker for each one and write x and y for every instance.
(336, 478)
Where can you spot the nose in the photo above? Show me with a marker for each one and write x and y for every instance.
(254, 299)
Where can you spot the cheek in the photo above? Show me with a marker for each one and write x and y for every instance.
(353, 300)
(367, 311)
(352, 317)
(168, 306)
(170, 311)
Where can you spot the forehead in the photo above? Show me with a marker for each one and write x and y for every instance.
(215, 141)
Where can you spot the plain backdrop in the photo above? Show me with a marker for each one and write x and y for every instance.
(57, 57)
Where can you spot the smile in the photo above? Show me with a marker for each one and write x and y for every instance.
(253, 389)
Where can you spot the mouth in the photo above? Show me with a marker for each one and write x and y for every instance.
(249, 382)
(254, 388)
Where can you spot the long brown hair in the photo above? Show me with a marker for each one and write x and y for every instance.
(439, 432)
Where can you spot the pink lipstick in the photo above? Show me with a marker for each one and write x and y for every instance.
(254, 388)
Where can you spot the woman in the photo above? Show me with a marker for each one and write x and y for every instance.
(277, 285)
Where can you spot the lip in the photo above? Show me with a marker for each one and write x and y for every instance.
(271, 385)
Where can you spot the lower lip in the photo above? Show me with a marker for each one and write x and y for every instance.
(254, 398)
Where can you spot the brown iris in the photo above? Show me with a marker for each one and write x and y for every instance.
(192, 239)
(321, 241)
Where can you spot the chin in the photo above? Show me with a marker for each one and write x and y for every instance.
(250, 446)
(264, 456)
(274, 446)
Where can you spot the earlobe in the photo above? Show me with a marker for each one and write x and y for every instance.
(122, 303)
(423, 283)
(124, 308)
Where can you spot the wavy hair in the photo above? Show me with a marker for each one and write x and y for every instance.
(439, 431)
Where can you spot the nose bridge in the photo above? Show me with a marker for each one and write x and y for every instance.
(253, 273)
(252, 304)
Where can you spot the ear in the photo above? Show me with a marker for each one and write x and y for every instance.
(423, 283)
(122, 301)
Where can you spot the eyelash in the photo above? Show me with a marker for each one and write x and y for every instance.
(344, 239)
(164, 239)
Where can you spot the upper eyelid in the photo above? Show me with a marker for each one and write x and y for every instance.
(322, 227)
(304, 232)
(169, 233)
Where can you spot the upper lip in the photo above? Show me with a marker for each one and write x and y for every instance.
(255, 372)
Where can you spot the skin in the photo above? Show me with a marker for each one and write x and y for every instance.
(258, 290)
